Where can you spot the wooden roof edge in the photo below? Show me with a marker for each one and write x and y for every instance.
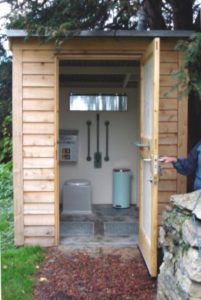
(18, 33)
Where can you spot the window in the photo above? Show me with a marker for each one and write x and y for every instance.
(94, 102)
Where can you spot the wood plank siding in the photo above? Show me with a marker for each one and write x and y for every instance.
(35, 102)
(38, 141)
(172, 125)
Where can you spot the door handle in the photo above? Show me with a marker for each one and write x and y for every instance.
(147, 159)
(154, 168)
(139, 145)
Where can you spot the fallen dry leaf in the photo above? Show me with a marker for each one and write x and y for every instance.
(43, 279)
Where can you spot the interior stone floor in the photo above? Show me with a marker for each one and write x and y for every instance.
(106, 226)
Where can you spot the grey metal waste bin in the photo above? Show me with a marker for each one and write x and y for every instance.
(121, 188)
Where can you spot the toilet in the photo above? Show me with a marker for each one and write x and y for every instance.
(77, 197)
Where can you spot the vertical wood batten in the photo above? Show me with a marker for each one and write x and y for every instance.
(17, 148)
(156, 97)
(182, 132)
(56, 171)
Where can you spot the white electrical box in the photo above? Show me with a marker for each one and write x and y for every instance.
(68, 145)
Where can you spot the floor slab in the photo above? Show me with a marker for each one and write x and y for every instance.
(106, 226)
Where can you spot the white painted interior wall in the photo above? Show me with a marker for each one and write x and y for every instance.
(123, 130)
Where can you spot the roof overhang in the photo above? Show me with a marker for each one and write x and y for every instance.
(16, 33)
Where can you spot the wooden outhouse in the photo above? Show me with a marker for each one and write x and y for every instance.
(131, 63)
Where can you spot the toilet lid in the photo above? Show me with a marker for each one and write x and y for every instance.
(77, 182)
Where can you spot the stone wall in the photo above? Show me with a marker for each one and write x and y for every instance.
(180, 272)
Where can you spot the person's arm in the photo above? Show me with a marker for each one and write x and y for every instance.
(167, 159)
(184, 166)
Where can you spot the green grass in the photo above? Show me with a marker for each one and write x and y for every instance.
(6, 206)
(18, 264)
(18, 268)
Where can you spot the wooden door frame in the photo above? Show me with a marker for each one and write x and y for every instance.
(69, 56)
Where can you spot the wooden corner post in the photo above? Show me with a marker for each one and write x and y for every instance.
(56, 171)
(182, 132)
(17, 148)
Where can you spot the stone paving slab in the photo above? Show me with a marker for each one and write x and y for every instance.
(76, 228)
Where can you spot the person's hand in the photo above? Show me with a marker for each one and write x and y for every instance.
(167, 159)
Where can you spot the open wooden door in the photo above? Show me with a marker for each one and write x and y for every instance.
(148, 217)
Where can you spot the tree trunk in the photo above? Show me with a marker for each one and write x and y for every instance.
(153, 9)
(182, 14)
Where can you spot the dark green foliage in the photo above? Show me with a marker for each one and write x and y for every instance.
(5, 108)
(5, 86)
(5, 139)
(54, 18)
(2, 49)
(6, 205)
(188, 76)
(192, 61)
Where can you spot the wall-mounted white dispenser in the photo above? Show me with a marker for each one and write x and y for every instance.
(68, 145)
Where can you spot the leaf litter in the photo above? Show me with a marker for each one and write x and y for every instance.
(89, 275)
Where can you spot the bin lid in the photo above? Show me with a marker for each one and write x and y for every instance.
(121, 170)
(77, 182)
